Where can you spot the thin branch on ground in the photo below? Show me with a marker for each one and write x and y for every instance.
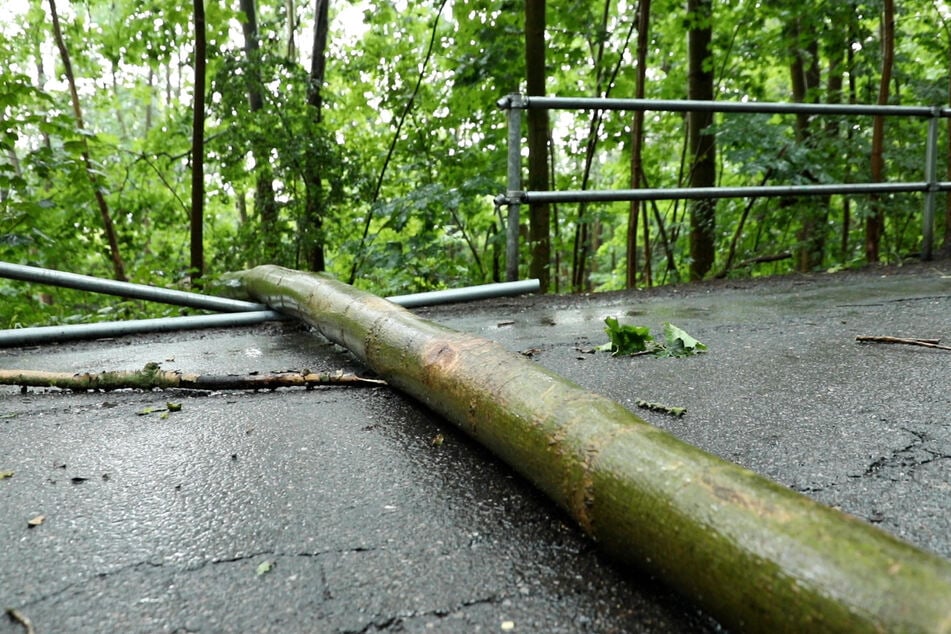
(18, 617)
(152, 376)
(927, 343)
(661, 407)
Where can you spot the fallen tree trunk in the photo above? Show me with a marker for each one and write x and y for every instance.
(757, 555)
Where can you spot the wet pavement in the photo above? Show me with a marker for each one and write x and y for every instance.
(357, 510)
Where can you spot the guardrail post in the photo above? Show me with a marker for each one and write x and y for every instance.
(931, 177)
(514, 104)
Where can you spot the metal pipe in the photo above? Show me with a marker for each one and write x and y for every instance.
(466, 293)
(125, 289)
(107, 329)
(49, 334)
(686, 105)
(687, 193)
(514, 182)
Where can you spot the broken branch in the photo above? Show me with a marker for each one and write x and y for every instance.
(152, 376)
(927, 343)
(660, 407)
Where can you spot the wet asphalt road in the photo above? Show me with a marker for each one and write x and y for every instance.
(337, 510)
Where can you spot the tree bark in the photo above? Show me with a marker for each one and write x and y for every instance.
(703, 172)
(875, 224)
(152, 376)
(946, 245)
(586, 229)
(118, 266)
(265, 204)
(757, 555)
(197, 219)
(637, 145)
(313, 229)
(805, 77)
(539, 235)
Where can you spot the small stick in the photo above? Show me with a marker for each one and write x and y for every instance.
(660, 407)
(927, 343)
(151, 376)
(18, 617)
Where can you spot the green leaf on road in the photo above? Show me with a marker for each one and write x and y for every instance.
(625, 339)
(265, 567)
(678, 343)
(6, 474)
(630, 340)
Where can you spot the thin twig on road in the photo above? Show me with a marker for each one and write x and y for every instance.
(927, 343)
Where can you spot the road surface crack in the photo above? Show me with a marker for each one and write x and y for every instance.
(908, 458)
(395, 622)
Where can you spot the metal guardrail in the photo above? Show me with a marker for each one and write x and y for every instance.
(514, 197)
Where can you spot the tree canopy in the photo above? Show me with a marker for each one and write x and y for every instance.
(367, 142)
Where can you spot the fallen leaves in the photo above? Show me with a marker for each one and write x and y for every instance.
(169, 407)
(265, 567)
(660, 407)
(6, 474)
(35, 521)
(635, 340)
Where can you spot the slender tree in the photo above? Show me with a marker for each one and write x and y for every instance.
(265, 204)
(198, 146)
(946, 27)
(637, 147)
(539, 234)
(584, 226)
(875, 224)
(118, 266)
(313, 183)
(702, 146)
(802, 40)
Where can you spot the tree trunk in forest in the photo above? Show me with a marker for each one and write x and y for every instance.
(946, 245)
(805, 78)
(875, 224)
(265, 203)
(850, 134)
(291, 12)
(756, 555)
(150, 85)
(539, 233)
(585, 230)
(313, 224)
(118, 267)
(702, 143)
(198, 147)
(637, 144)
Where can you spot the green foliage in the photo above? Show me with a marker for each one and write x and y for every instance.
(677, 343)
(625, 340)
(631, 340)
(428, 213)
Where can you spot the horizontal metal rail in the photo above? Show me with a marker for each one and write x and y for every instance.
(514, 197)
(37, 335)
(125, 289)
(694, 193)
(522, 102)
(241, 313)
(466, 293)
